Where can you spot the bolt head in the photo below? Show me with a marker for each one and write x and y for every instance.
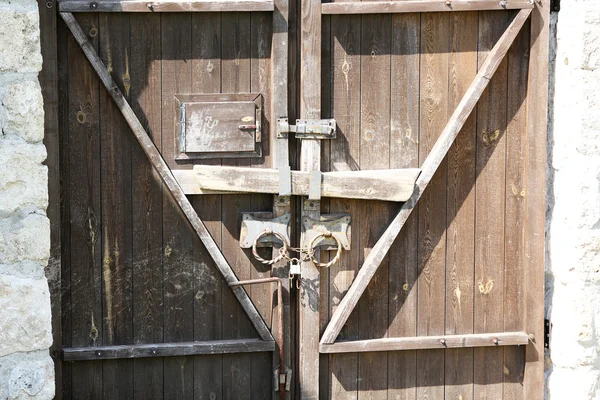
(93, 5)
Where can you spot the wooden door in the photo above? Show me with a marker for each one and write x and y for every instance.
(452, 306)
(145, 310)
(438, 161)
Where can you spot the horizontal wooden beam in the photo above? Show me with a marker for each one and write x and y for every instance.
(389, 185)
(428, 342)
(165, 6)
(168, 349)
(430, 166)
(415, 6)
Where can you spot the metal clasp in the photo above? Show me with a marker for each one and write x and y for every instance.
(307, 128)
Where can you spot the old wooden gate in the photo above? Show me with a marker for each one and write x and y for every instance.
(388, 243)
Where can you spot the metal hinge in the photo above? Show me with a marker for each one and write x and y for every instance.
(547, 329)
(554, 5)
(307, 128)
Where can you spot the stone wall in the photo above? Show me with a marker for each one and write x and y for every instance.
(573, 240)
(26, 369)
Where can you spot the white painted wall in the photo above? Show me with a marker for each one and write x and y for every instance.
(573, 241)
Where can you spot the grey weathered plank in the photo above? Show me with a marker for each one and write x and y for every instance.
(168, 349)
(404, 153)
(165, 6)
(461, 211)
(165, 174)
(430, 165)
(417, 6)
(428, 342)
(310, 160)
(391, 185)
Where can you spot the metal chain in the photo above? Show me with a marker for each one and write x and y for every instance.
(304, 254)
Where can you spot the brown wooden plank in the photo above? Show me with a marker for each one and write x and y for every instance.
(535, 198)
(165, 6)
(418, 6)
(489, 211)
(235, 78)
(429, 167)
(279, 149)
(147, 198)
(262, 295)
(115, 189)
(48, 78)
(149, 350)
(208, 283)
(63, 38)
(310, 160)
(85, 243)
(380, 184)
(344, 156)
(178, 266)
(165, 174)
(428, 343)
(461, 210)
(514, 312)
(404, 153)
(375, 85)
(435, 48)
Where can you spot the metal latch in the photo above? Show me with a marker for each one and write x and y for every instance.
(282, 380)
(307, 128)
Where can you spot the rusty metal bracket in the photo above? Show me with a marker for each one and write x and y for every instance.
(337, 224)
(307, 128)
(254, 225)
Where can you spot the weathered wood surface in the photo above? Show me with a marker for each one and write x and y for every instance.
(310, 160)
(390, 185)
(168, 349)
(419, 6)
(428, 342)
(165, 6)
(461, 208)
(436, 156)
(534, 224)
(165, 174)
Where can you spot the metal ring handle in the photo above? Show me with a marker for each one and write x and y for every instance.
(282, 250)
(338, 254)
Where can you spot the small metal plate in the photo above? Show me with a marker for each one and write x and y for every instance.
(255, 223)
(337, 224)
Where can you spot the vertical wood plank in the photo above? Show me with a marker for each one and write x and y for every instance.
(461, 210)
(435, 46)
(235, 78)
(178, 268)
(147, 199)
(344, 156)
(262, 296)
(115, 156)
(48, 78)
(85, 212)
(208, 282)
(375, 85)
(404, 153)
(514, 357)
(310, 160)
(535, 199)
(63, 38)
(489, 214)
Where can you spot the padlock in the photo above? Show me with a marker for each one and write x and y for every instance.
(294, 266)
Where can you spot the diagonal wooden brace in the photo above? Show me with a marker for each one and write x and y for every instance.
(166, 175)
(431, 164)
